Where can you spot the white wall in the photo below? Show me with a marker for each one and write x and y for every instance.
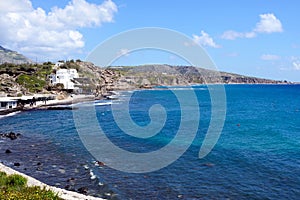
(64, 76)
(7, 105)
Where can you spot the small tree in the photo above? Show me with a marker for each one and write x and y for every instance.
(59, 86)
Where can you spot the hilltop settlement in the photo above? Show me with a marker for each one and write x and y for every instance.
(24, 84)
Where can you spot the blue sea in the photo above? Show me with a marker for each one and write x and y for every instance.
(257, 155)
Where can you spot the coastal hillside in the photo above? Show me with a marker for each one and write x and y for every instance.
(153, 75)
(26, 79)
(9, 56)
(23, 79)
(103, 80)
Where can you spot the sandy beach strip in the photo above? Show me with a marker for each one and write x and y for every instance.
(65, 194)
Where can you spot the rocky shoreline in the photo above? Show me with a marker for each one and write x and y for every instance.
(38, 158)
(64, 194)
(12, 143)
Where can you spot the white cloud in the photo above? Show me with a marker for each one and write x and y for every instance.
(290, 63)
(296, 65)
(15, 6)
(79, 13)
(123, 52)
(205, 40)
(270, 57)
(232, 35)
(268, 24)
(50, 35)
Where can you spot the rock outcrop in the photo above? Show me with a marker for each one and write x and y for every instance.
(11, 135)
(9, 85)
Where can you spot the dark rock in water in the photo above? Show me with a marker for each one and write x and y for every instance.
(38, 157)
(39, 169)
(71, 179)
(8, 151)
(83, 190)
(10, 135)
(99, 163)
(70, 188)
(67, 187)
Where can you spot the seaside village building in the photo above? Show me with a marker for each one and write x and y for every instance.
(7, 103)
(66, 77)
(17, 103)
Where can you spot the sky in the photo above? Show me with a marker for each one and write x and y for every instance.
(251, 37)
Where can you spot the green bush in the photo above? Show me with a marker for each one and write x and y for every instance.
(14, 187)
(32, 83)
(16, 180)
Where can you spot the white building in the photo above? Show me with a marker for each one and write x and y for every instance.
(58, 64)
(65, 77)
(7, 103)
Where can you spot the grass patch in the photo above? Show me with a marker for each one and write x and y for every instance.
(14, 187)
(31, 82)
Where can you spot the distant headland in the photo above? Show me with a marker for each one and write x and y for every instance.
(24, 82)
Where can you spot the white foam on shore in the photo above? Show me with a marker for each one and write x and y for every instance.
(96, 103)
(10, 114)
(103, 103)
